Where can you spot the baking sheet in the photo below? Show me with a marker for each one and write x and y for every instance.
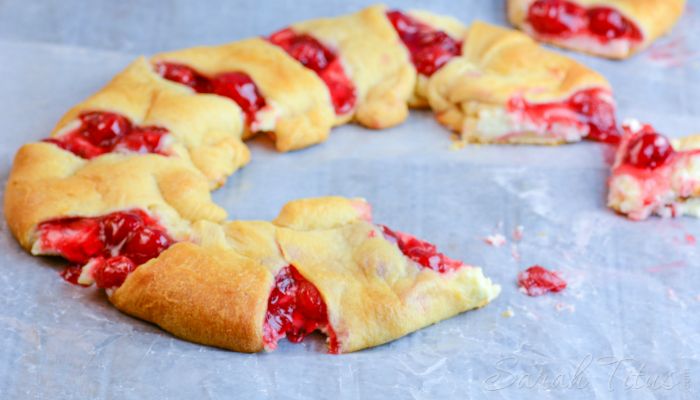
(632, 302)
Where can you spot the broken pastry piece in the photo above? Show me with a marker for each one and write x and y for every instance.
(608, 28)
(320, 266)
(655, 175)
(506, 88)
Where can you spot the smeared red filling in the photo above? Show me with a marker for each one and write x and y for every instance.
(430, 48)
(588, 107)
(237, 86)
(295, 309)
(538, 281)
(115, 243)
(421, 252)
(322, 60)
(566, 19)
(105, 132)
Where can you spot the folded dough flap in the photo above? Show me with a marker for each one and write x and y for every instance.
(206, 129)
(298, 110)
(373, 293)
(375, 60)
(48, 183)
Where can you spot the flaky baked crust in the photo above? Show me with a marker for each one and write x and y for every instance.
(496, 64)
(654, 18)
(299, 112)
(48, 183)
(365, 40)
(206, 128)
(215, 292)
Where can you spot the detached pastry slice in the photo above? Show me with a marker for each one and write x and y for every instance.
(505, 88)
(609, 28)
(655, 175)
(139, 112)
(278, 96)
(321, 265)
(111, 213)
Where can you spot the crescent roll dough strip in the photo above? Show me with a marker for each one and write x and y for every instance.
(469, 95)
(216, 292)
(375, 61)
(206, 128)
(449, 25)
(47, 183)
(299, 111)
(654, 18)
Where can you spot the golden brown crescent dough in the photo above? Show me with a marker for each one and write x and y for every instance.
(299, 111)
(470, 93)
(47, 182)
(654, 18)
(215, 292)
(206, 128)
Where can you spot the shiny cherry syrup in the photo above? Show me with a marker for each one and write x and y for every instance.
(295, 309)
(430, 48)
(537, 281)
(322, 60)
(421, 252)
(236, 86)
(565, 19)
(589, 107)
(117, 242)
(106, 132)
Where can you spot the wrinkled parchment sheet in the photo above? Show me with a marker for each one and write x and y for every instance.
(626, 327)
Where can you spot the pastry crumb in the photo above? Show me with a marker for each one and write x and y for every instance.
(495, 240)
(518, 233)
(508, 313)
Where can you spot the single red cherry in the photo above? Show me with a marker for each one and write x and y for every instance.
(103, 129)
(607, 22)
(649, 150)
(119, 227)
(113, 272)
(538, 281)
(145, 244)
(310, 303)
(600, 115)
(310, 53)
(241, 89)
(556, 17)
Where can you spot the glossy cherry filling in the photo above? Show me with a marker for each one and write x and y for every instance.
(430, 48)
(237, 86)
(106, 132)
(295, 309)
(322, 60)
(537, 281)
(112, 245)
(587, 107)
(566, 19)
(421, 252)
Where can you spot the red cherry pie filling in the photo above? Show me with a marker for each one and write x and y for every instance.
(651, 177)
(593, 27)
(108, 248)
(107, 132)
(236, 86)
(430, 48)
(295, 309)
(421, 252)
(313, 55)
(589, 113)
(536, 281)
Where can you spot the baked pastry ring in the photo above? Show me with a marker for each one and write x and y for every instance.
(655, 175)
(610, 28)
(216, 291)
(495, 92)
